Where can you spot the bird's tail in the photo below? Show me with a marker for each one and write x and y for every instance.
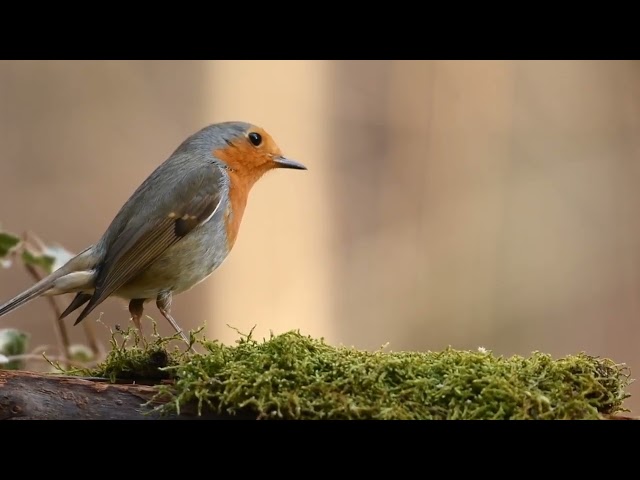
(65, 279)
(29, 294)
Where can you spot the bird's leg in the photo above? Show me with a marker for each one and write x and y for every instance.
(163, 302)
(136, 307)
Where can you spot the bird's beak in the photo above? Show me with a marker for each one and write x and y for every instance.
(283, 162)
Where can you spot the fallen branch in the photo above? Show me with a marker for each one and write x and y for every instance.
(31, 396)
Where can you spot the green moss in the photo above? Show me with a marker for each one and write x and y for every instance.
(292, 376)
(131, 358)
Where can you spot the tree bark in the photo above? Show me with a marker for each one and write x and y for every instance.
(32, 396)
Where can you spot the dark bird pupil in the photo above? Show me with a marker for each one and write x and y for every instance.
(255, 138)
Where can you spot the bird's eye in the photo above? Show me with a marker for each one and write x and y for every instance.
(255, 138)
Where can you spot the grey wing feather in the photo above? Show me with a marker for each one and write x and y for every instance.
(172, 209)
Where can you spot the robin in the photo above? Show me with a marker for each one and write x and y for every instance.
(176, 228)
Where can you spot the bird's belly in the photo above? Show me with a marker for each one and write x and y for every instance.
(180, 267)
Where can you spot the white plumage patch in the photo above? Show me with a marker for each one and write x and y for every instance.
(72, 282)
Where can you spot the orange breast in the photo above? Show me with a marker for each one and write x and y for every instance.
(235, 210)
(245, 166)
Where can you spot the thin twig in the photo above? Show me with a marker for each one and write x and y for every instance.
(88, 328)
(91, 339)
(40, 349)
(61, 329)
(30, 356)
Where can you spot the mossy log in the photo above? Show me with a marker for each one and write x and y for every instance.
(32, 396)
(292, 376)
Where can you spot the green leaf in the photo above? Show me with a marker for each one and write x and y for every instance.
(38, 260)
(12, 342)
(49, 260)
(80, 353)
(7, 242)
(59, 254)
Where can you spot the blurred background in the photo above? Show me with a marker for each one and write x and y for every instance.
(462, 203)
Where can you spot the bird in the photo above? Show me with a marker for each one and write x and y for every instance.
(174, 231)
